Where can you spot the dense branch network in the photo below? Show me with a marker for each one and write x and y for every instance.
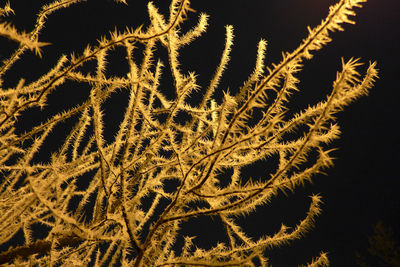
(154, 146)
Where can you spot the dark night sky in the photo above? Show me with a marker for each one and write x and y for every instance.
(362, 187)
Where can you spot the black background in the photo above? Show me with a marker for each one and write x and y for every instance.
(359, 190)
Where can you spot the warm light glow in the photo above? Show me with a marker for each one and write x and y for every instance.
(123, 201)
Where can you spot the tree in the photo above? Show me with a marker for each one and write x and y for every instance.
(383, 250)
(173, 158)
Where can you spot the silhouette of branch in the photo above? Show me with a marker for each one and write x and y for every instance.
(38, 247)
